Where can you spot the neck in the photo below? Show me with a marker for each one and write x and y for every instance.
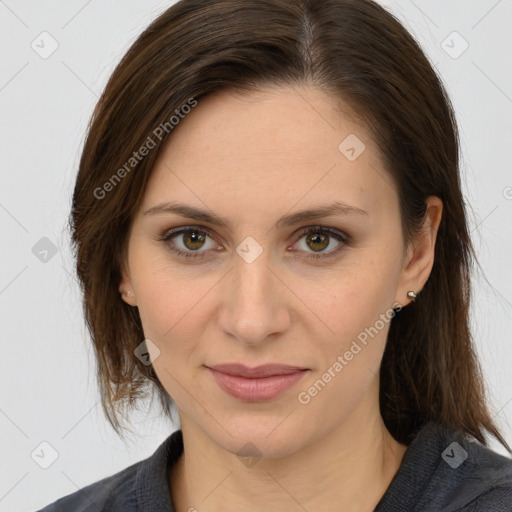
(349, 469)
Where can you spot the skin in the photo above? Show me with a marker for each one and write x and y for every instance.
(251, 158)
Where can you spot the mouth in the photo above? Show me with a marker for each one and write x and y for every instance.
(256, 384)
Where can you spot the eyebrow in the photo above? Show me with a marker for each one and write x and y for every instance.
(191, 212)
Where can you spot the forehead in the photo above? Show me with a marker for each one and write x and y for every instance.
(285, 121)
(287, 145)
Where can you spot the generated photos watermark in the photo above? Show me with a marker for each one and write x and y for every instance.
(150, 143)
(305, 397)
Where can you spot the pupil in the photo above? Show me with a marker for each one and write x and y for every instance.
(317, 240)
(194, 239)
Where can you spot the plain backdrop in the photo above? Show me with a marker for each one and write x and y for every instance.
(48, 389)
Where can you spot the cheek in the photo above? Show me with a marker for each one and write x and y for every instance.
(175, 308)
(352, 298)
(165, 291)
(358, 314)
(171, 312)
(355, 304)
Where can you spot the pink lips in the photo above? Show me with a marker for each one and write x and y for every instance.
(256, 384)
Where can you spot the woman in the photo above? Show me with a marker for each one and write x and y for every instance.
(269, 228)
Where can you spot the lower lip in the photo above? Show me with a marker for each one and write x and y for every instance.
(256, 390)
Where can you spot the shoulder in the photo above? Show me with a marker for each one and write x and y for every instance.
(469, 477)
(143, 485)
(487, 482)
(498, 499)
(102, 495)
(446, 470)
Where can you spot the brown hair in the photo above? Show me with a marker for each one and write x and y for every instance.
(358, 52)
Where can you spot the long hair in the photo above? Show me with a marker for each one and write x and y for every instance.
(356, 51)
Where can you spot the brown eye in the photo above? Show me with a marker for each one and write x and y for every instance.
(190, 245)
(318, 241)
(319, 238)
(193, 240)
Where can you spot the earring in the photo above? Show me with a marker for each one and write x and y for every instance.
(411, 295)
(127, 294)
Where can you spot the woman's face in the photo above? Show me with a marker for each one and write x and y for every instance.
(266, 286)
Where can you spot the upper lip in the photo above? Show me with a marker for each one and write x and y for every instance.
(266, 370)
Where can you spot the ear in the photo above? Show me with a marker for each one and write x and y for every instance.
(419, 259)
(126, 285)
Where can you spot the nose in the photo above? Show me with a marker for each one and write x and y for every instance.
(255, 301)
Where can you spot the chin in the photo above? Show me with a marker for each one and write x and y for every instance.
(270, 439)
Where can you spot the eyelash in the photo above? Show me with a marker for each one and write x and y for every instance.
(339, 236)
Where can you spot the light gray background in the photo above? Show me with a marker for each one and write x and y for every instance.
(48, 389)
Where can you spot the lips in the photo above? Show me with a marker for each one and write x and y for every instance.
(256, 384)
(267, 370)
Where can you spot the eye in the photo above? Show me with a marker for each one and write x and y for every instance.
(191, 242)
(319, 238)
